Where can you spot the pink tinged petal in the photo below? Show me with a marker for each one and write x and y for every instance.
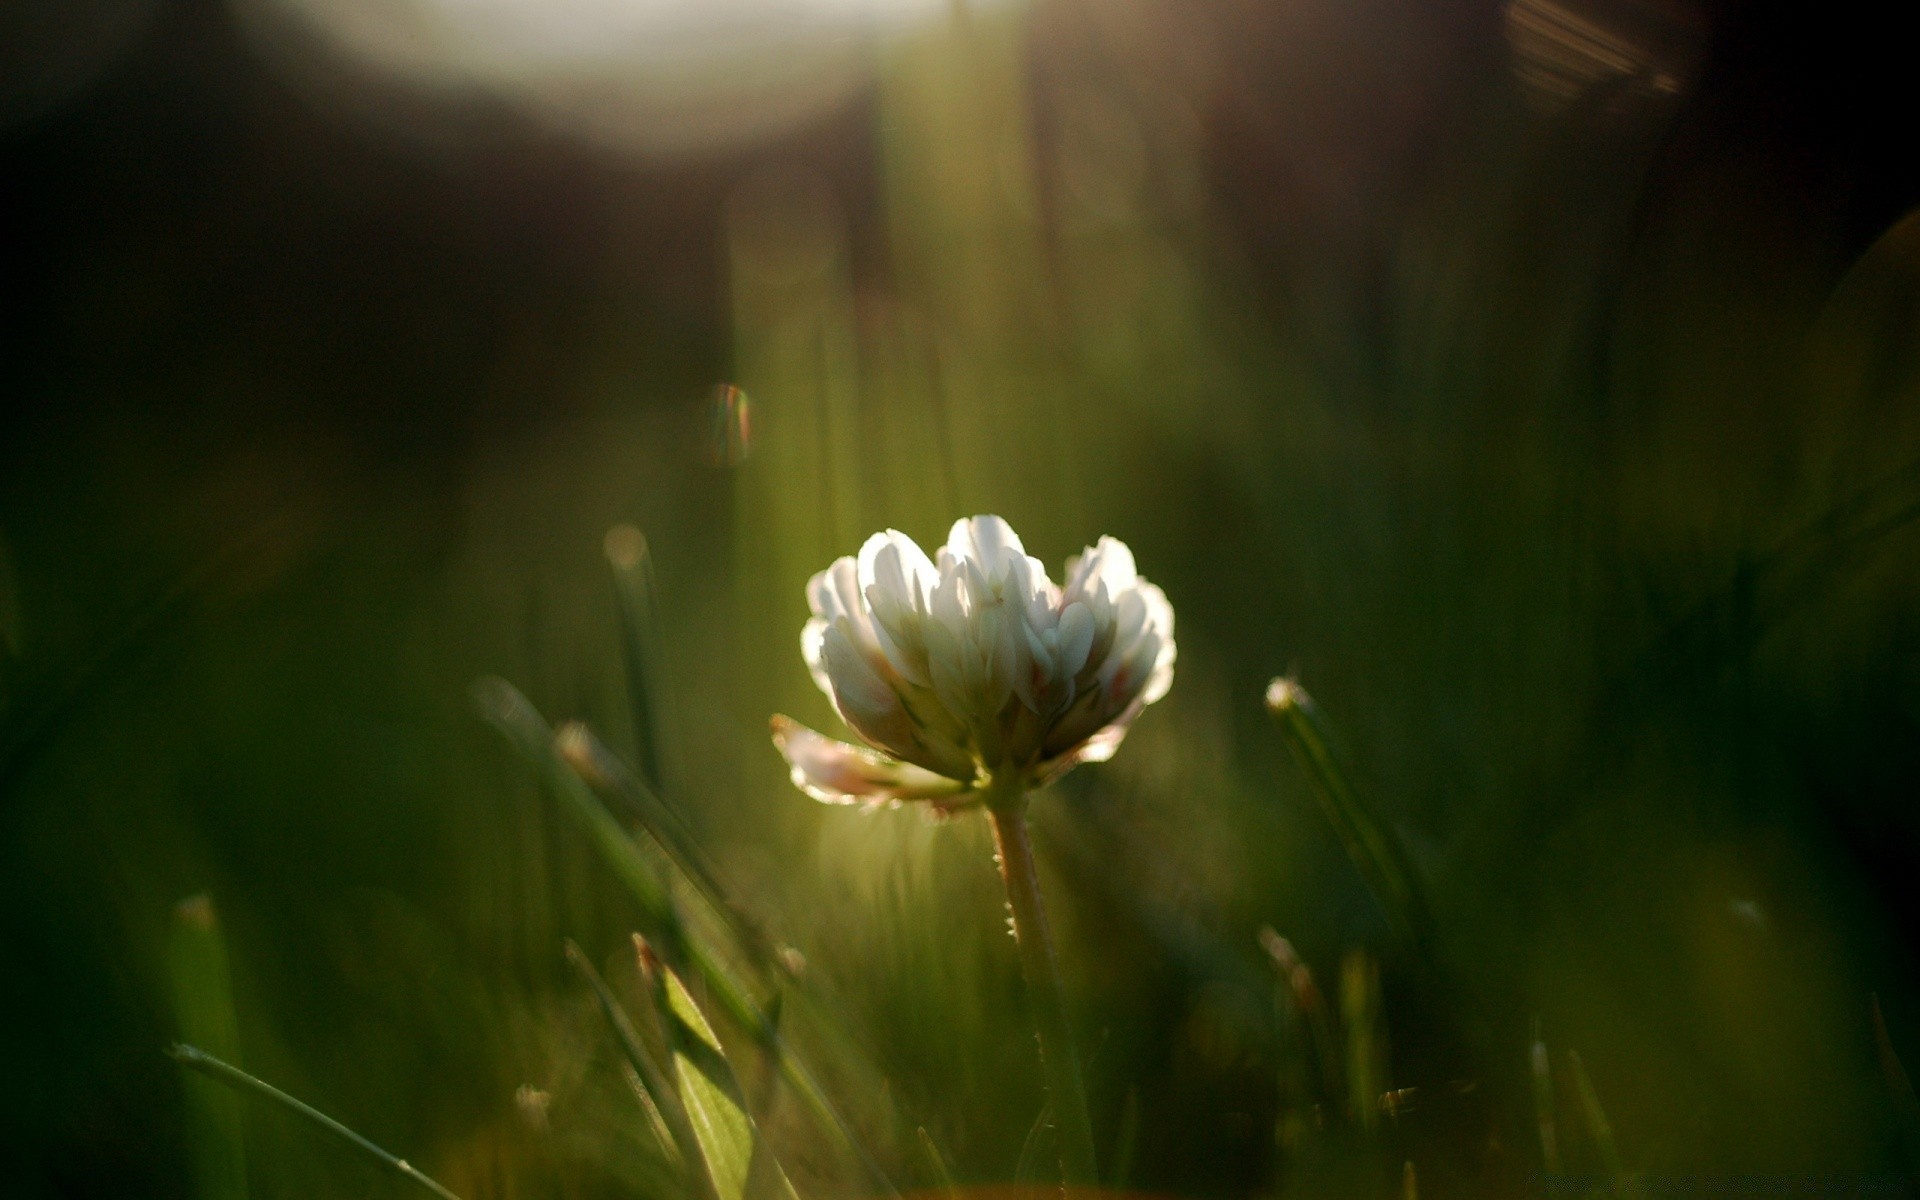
(1083, 718)
(1098, 748)
(837, 773)
(1034, 670)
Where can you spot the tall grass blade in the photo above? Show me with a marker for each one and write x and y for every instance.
(204, 1014)
(1378, 857)
(1366, 1046)
(661, 925)
(937, 1165)
(1543, 1105)
(631, 565)
(527, 730)
(663, 1095)
(199, 1060)
(611, 777)
(1600, 1129)
(1037, 1151)
(736, 1155)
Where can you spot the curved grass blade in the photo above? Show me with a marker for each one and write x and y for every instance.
(199, 1060)
(661, 925)
(204, 1014)
(1601, 1130)
(648, 1062)
(937, 1164)
(734, 1152)
(1379, 859)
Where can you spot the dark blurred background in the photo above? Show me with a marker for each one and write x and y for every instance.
(1536, 381)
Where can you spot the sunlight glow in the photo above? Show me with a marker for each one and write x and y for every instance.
(661, 76)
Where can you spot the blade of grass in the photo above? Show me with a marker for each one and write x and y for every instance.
(631, 565)
(648, 1063)
(1381, 862)
(512, 714)
(1543, 1105)
(937, 1164)
(1360, 1020)
(608, 775)
(736, 1154)
(204, 1014)
(661, 925)
(605, 772)
(1036, 1150)
(199, 1060)
(1600, 1129)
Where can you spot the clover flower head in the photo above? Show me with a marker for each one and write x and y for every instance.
(973, 670)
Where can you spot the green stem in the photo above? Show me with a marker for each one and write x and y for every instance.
(1057, 1059)
(199, 1060)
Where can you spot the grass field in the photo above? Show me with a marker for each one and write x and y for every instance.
(416, 448)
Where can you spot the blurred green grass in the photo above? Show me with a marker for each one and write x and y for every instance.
(1564, 454)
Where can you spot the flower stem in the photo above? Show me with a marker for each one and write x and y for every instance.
(1057, 1059)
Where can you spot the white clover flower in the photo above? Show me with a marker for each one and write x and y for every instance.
(973, 672)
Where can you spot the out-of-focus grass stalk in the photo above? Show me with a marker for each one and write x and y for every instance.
(663, 929)
(631, 566)
(937, 1164)
(1366, 1044)
(1303, 996)
(1600, 1129)
(1378, 858)
(647, 1062)
(1058, 1061)
(214, 1068)
(607, 774)
(1543, 1106)
(205, 1016)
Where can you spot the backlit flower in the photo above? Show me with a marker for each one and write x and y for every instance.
(972, 672)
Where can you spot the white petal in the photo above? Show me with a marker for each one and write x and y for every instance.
(945, 668)
(1107, 562)
(864, 699)
(1034, 670)
(812, 637)
(1160, 621)
(985, 539)
(897, 563)
(837, 773)
(1076, 639)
